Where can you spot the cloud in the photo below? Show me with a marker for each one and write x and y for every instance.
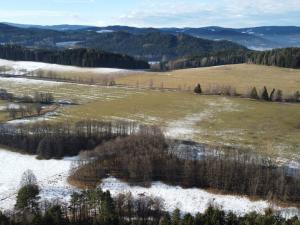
(166, 13)
(232, 13)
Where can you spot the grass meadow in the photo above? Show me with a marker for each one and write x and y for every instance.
(265, 127)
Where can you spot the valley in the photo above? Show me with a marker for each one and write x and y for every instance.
(184, 113)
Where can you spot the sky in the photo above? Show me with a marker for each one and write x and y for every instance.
(153, 13)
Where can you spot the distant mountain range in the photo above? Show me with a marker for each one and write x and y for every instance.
(257, 38)
(145, 44)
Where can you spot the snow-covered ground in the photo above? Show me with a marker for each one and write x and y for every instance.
(51, 176)
(43, 118)
(23, 67)
(193, 200)
(25, 81)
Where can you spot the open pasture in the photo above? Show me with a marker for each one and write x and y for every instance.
(271, 128)
(242, 77)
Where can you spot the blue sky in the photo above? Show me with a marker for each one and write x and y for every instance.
(155, 13)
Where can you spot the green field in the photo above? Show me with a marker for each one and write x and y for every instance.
(270, 128)
(264, 127)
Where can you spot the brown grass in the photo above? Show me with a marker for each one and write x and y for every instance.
(241, 76)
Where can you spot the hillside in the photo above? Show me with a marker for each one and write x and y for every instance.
(73, 57)
(157, 46)
(152, 45)
(256, 38)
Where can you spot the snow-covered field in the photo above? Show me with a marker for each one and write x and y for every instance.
(194, 200)
(23, 67)
(51, 176)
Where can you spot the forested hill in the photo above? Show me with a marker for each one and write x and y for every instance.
(157, 46)
(153, 45)
(74, 57)
(285, 57)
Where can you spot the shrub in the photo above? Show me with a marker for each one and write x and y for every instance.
(279, 96)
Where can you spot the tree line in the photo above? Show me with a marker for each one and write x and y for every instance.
(205, 60)
(286, 57)
(38, 97)
(56, 140)
(96, 207)
(27, 105)
(72, 57)
(146, 157)
(272, 95)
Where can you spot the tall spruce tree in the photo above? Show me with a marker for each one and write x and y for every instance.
(265, 94)
(254, 93)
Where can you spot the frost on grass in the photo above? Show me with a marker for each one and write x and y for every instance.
(186, 128)
(51, 177)
(193, 200)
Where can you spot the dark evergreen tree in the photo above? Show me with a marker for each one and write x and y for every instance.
(265, 94)
(198, 89)
(176, 217)
(254, 93)
(27, 198)
(272, 95)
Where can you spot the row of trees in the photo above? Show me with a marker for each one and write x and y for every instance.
(50, 140)
(264, 94)
(143, 158)
(24, 110)
(95, 207)
(26, 106)
(75, 57)
(38, 97)
(274, 95)
(106, 80)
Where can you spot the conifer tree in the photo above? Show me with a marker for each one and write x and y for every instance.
(254, 93)
(265, 94)
(176, 217)
(272, 95)
(198, 89)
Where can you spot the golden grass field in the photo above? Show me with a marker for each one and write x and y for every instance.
(271, 128)
(240, 76)
(3, 114)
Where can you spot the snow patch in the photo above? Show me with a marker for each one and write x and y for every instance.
(51, 176)
(28, 81)
(23, 67)
(186, 128)
(192, 200)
